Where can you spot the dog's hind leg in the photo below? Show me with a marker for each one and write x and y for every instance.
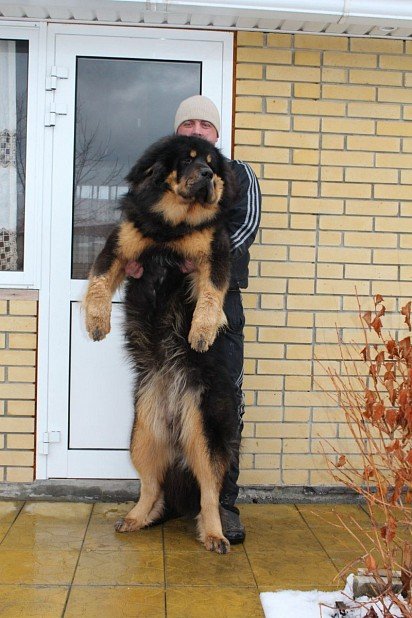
(151, 457)
(208, 473)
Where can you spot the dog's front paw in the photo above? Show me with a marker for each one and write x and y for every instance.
(98, 320)
(202, 336)
(219, 544)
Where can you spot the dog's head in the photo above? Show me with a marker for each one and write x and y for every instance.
(188, 177)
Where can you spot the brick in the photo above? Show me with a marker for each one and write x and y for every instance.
(273, 220)
(16, 458)
(16, 425)
(373, 143)
(2, 374)
(396, 95)
(284, 269)
(374, 110)
(298, 351)
(301, 172)
(330, 238)
(341, 59)
(303, 222)
(3, 307)
(283, 367)
(271, 301)
(400, 192)
(377, 77)
(282, 430)
(333, 142)
(20, 441)
(394, 128)
(20, 475)
(331, 174)
(21, 408)
(17, 391)
(300, 319)
(352, 159)
(318, 108)
(22, 341)
(2, 340)
(255, 153)
(356, 93)
(267, 461)
(398, 160)
(295, 477)
(306, 90)
(298, 383)
(291, 140)
(389, 224)
(249, 71)
(372, 208)
(259, 477)
(344, 255)
(376, 45)
(17, 357)
(264, 88)
(371, 272)
(301, 286)
(296, 445)
(250, 38)
(392, 256)
(371, 175)
(401, 62)
(262, 121)
(337, 189)
(334, 75)
(297, 415)
(312, 41)
(279, 40)
(262, 350)
(293, 74)
(314, 303)
(308, 58)
(263, 445)
(267, 56)
(277, 106)
(304, 189)
(249, 104)
(348, 126)
(306, 123)
(18, 324)
(22, 374)
(260, 252)
(264, 318)
(305, 157)
(315, 206)
(285, 335)
(329, 271)
(23, 307)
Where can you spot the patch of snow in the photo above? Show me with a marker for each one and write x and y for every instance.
(317, 604)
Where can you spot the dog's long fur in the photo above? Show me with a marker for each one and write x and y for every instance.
(185, 414)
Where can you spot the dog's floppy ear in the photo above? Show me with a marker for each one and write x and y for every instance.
(143, 170)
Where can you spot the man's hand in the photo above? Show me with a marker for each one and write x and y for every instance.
(135, 269)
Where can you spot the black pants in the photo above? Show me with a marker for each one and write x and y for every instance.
(230, 341)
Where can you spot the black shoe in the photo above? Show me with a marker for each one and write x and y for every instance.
(232, 527)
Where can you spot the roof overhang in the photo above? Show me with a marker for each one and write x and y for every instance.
(350, 17)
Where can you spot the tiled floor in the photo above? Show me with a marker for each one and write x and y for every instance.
(64, 559)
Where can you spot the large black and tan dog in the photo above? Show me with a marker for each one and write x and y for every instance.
(185, 414)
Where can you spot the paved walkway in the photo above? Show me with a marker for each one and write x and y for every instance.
(64, 559)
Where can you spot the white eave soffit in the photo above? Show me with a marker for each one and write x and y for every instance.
(350, 17)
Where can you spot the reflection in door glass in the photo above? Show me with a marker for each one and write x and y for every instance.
(122, 106)
(14, 56)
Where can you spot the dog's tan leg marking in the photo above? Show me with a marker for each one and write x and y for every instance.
(150, 453)
(209, 475)
(98, 300)
(208, 316)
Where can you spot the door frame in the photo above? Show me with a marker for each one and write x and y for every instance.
(49, 418)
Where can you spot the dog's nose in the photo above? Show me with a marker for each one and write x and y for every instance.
(206, 172)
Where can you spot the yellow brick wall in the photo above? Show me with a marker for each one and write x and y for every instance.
(325, 123)
(18, 344)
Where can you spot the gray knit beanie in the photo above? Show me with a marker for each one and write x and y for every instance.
(197, 107)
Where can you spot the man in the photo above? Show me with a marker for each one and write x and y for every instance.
(199, 116)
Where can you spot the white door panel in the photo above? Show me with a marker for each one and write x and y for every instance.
(89, 398)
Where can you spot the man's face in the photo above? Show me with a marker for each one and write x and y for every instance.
(199, 128)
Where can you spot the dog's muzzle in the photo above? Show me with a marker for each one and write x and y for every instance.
(199, 184)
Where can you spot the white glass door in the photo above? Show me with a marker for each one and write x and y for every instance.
(116, 91)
